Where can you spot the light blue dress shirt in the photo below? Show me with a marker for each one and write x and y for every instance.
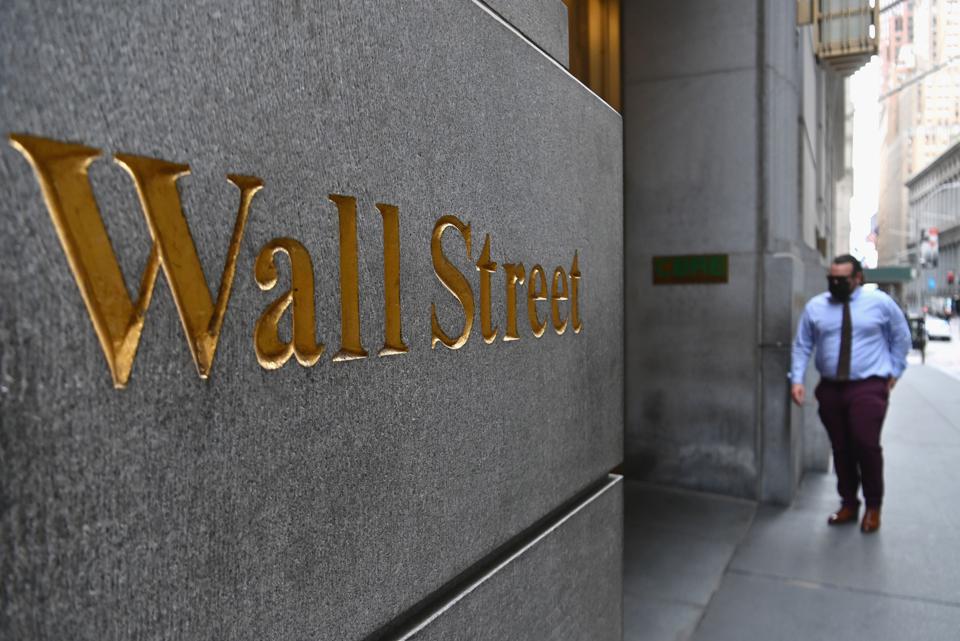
(881, 336)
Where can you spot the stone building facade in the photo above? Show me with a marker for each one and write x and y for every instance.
(377, 390)
(934, 197)
(920, 107)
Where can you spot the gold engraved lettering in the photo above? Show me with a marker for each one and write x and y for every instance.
(156, 182)
(61, 170)
(392, 334)
(558, 294)
(574, 296)
(535, 293)
(455, 282)
(486, 267)
(272, 353)
(515, 274)
(350, 347)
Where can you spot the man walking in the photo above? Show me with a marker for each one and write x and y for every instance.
(862, 340)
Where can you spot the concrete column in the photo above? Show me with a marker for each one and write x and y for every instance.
(713, 142)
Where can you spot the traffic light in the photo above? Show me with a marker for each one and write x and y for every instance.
(951, 277)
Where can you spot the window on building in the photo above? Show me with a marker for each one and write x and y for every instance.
(845, 34)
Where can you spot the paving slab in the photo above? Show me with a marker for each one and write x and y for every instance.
(652, 619)
(708, 516)
(677, 545)
(754, 608)
(678, 567)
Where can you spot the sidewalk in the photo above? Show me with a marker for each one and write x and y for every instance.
(710, 568)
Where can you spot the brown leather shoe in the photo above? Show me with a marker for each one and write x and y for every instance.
(844, 515)
(871, 520)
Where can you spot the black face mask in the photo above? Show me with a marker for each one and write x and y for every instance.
(840, 288)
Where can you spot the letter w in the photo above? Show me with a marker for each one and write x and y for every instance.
(61, 170)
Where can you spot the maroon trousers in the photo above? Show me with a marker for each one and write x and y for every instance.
(853, 412)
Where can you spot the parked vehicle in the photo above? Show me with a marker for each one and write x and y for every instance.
(937, 329)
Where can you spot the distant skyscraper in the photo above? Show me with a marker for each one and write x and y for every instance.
(920, 111)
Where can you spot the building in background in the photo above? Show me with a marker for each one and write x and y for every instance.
(898, 63)
(920, 110)
(934, 250)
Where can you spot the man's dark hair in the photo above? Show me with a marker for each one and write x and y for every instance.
(847, 259)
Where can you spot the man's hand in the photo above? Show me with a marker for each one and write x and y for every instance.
(891, 383)
(797, 393)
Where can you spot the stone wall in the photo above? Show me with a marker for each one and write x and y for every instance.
(325, 498)
(723, 154)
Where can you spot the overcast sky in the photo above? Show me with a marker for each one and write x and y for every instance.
(864, 92)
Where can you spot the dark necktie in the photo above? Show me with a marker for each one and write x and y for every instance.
(846, 343)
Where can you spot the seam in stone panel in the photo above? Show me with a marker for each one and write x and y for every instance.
(407, 625)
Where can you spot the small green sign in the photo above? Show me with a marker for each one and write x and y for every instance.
(686, 270)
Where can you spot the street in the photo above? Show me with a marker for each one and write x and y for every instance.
(943, 355)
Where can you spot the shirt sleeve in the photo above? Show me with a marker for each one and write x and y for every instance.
(900, 339)
(802, 348)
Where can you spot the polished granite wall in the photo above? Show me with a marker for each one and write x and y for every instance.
(320, 502)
